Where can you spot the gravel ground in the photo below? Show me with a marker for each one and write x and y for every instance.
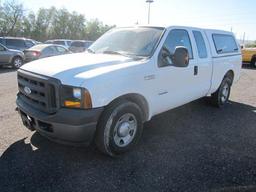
(192, 148)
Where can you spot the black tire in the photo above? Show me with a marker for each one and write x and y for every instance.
(217, 97)
(17, 62)
(109, 127)
(253, 62)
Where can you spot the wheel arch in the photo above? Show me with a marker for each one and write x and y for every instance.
(16, 56)
(137, 99)
(230, 74)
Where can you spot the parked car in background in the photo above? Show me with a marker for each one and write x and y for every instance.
(17, 43)
(64, 42)
(249, 56)
(11, 57)
(44, 50)
(79, 46)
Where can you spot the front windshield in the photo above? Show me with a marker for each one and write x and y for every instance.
(139, 41)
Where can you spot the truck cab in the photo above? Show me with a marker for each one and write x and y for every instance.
(124, 79)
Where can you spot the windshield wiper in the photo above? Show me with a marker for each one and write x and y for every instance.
(114, 53)
(126, 54)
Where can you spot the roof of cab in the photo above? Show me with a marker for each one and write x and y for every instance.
(186, 27)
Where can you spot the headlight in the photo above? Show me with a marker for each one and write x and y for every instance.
(75, 97)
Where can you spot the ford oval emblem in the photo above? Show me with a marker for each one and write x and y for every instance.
(27, 90)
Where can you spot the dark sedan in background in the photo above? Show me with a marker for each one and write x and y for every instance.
(44, 50)
(11, 57)
(79, 46)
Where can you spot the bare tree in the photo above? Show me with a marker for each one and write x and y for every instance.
(11, 17)
(47, 23)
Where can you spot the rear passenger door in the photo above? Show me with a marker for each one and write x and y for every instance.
(203, 68)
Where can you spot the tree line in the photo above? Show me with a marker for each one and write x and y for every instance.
(51, 23)
(251, 45)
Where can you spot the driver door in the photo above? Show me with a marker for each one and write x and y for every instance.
(176, 85)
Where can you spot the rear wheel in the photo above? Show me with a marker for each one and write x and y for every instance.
(221, 96)
(17, 62)
(119, 129)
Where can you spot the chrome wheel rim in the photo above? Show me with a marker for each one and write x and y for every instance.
(17, 63)
(225, 93)
(125, 130)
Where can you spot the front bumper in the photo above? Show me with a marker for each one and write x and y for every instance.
(67, 126)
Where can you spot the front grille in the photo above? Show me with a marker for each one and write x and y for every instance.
(42, 93)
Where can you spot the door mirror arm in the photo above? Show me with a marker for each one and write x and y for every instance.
(166, 57)
(165, 53)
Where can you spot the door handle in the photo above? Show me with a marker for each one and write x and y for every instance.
(195, 70)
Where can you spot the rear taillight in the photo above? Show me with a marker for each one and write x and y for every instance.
(36, 53)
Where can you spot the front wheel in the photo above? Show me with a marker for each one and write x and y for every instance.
(119, 128)
(17, 62)
(221, 96)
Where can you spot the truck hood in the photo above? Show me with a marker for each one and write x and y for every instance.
(74, 69)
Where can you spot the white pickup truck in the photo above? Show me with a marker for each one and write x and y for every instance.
(125, 78)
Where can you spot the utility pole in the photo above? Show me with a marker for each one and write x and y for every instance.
(149, 2)
(244, 38)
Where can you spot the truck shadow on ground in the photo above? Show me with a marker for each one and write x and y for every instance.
(192, 148)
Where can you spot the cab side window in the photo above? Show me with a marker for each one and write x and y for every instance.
(200, 43)
(225, 43)
(175, 38)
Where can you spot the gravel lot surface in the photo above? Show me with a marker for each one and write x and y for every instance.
(192, 148)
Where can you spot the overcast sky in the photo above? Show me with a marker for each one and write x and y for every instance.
(238, 15)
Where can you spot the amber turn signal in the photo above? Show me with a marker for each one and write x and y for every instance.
(87, 100)
(72, 104)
